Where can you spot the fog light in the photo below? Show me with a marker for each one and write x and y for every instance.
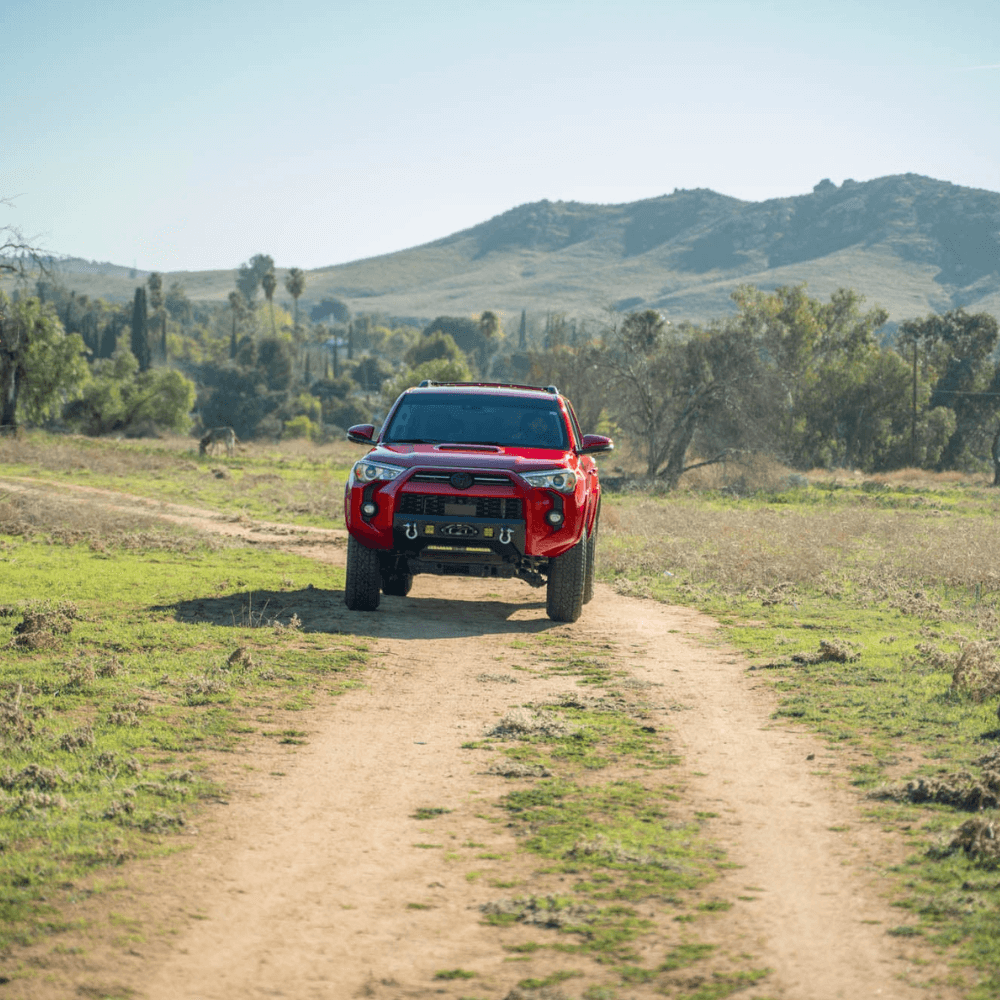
(369, 509)
(554, 517)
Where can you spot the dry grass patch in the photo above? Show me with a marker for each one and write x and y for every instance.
(763, 551)
(37, 513)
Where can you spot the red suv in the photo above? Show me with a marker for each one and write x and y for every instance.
(475, 479)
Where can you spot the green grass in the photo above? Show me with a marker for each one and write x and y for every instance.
(111, 714)
(454, 974)
(429, 812)
(304, 486)
(618, 847)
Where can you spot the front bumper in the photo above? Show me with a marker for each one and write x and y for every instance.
(505, 520)
(412, 534)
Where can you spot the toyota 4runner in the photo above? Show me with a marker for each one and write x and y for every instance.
(479, 480)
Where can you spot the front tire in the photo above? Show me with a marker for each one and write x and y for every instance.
(362, 589)
(567, 577)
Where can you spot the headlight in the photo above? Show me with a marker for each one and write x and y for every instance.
(368, 472)
(562, 480)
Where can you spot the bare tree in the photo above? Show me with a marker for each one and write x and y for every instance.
(18, 253)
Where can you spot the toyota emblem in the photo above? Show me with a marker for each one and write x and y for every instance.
(461, 480)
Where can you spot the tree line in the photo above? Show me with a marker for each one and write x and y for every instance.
(812, 383)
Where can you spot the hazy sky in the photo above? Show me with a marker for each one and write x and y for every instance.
(192, 135)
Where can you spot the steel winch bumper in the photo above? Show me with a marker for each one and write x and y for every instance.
(477, 536)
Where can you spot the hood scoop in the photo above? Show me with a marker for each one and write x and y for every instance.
(489, 448)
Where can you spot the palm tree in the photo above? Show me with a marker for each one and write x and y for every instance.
(489, 328)
(270, 283)
(295, 282)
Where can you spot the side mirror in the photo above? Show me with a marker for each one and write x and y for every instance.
(361, 433)
(593, 443)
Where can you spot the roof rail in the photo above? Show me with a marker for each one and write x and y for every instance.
(492, 385)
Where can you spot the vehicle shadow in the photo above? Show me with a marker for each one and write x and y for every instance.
(314, 610)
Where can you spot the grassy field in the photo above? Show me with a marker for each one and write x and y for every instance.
(873, 607)
(116, 693)
(297, 482)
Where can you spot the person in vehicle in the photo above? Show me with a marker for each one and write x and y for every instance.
(536, 430)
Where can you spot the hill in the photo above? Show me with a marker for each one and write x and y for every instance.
(909, 243)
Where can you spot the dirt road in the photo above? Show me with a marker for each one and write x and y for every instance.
(314, 881)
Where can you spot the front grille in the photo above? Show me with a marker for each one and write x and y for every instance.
(478, 478)
(433, 505)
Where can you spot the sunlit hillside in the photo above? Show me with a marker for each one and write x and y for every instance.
(909, 243)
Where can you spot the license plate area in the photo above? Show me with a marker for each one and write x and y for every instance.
(414, 533)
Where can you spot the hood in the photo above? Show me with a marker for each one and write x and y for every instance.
(457, 456)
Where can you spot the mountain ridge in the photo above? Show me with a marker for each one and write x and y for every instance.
(911, 243)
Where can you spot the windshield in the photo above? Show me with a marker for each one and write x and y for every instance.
(463, 418)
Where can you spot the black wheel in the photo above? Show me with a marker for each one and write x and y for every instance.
(397, 584)
(588, 581)
(567, 575)
(362, 589)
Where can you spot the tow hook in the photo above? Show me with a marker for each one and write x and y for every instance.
(411, 530)
(505, 535)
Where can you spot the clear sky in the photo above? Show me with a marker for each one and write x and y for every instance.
(192, 135)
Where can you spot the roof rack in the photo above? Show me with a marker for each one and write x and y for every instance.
(492, 385)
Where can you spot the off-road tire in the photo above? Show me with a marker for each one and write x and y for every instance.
(588, 581)
(362, 589)
(397, 584)
(567, 576)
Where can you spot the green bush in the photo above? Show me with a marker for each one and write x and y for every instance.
(301, 427)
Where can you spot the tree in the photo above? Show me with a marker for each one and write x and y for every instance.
(178, 304)
(121, 398)
(17, 251)
(274, 359)
(666, 393)
(489, 330)
(556, 331)
(40, 366)
(957, 348)
(295, 282)
(642, 332)
(140, 338)
(155, 282)
(236, 307)
(432, 347)
(330, 307)
(577, 374)
(249, 275)
(270, 283)
(813, 351)
(370, 372)
(442, 369)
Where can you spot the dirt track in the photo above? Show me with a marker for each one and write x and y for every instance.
(308, 884)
